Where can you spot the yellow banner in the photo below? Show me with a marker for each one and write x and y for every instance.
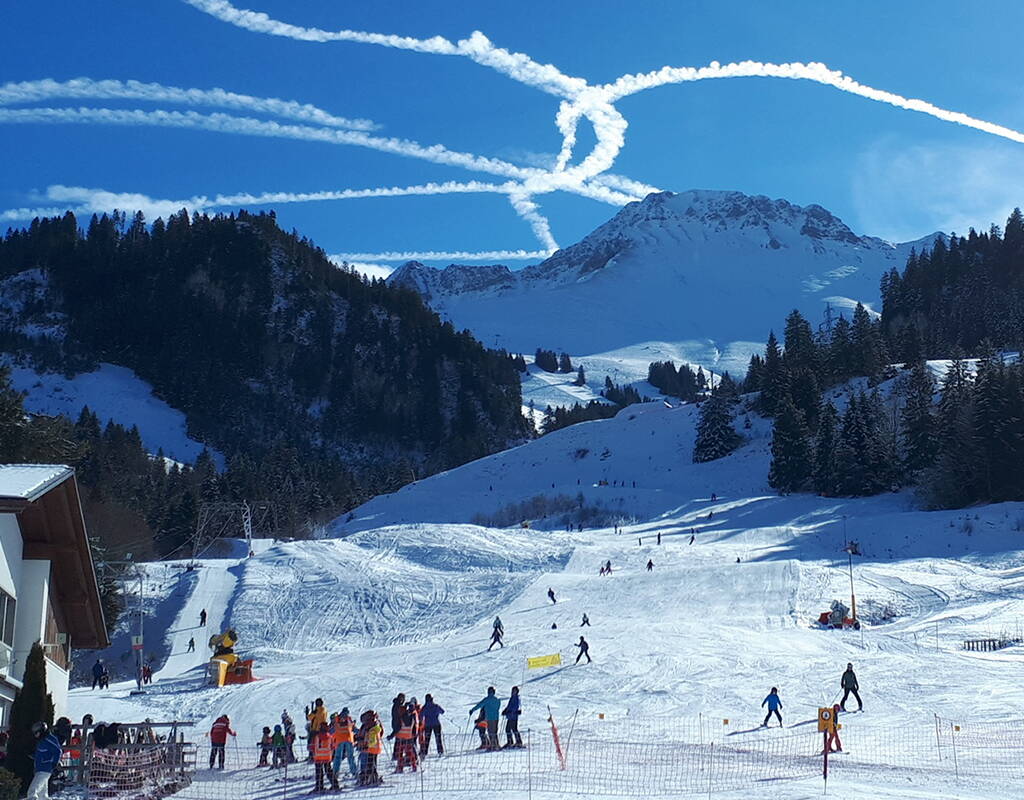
(544, 661)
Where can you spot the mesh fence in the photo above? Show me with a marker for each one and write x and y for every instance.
(689, 760)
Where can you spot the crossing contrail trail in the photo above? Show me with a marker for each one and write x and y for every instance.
(588, 177)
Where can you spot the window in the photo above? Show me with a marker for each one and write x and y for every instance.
(8, 610)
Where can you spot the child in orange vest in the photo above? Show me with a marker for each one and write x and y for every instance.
(323, 754)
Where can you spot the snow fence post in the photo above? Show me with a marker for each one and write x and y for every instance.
(938, 742)
(711, 763)
(529, 766)
(956, 766)
(824, 761)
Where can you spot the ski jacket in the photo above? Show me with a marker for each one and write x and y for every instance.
(773, 701)
(432, 714)
(48, 753)
(849, 680)
(490, 705)
(372, 738)
(317, 717)
(220, 730)
(342, 730)
(278, 740)
(408, 729)
(322, 749)
(97, 670)
(512, 709)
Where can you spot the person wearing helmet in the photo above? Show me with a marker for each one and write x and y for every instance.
(47, 756)
(218, 738)
(850, 686)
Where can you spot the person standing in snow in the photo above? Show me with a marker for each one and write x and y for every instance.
(491, 707)
(405, 740)
(323, 753)
(551, 595)
(371, 735)
(659, 537)
(202, 618)
(511, 715)
(498, 626)
(343, 739)
(97, 673)
(289, 736)
(432, 725)
(586, 621)
(496, 639)
(832, 743)
(774, 706)
(266, 746)
(218, 738)
(850, 686)
(45, 761)
(584, 650)
(397, 706)
(692, 538)
(191, 645)
(280, 748)
(650, 565)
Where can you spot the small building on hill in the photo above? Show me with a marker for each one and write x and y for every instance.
(48, 588)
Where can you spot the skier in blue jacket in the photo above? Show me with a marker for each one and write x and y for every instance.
(431, 712)
(774, 704)
(491, 706)
(511, 715)
(48, 752)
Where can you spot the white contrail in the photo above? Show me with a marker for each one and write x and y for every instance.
(80, 88)
(226, 123)
(530, 211)
(817, 72)
(443, 255)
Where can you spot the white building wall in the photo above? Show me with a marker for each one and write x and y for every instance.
(57, 682)
(30, 623)
(10, 554)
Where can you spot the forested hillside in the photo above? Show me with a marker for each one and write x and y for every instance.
(320, 387)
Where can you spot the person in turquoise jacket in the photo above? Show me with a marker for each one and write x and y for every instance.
(491, 707)
(774, 705)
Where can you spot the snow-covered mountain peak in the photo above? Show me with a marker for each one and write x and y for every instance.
(453, 279)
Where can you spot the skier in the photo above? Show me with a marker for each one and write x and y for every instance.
(266, 746)
(692, 538)
(608, 567)
(850, 686)
(832, 743)
(481, 728)
(432, 725)
(289, 736)
(218, 738)
(586, 621)
(584, 650)
(371, 734)
(511, 715)
(191, 645)
(46, 759)
(322, 755)
(650, 565)
(97, 673)
(405, 740)
(396, 721)
(317, 716)
(202, 618)
(774, 706)
(498, 626)
(659, 537)
(343, 739)
(280, 748)
(490, 705)
(551, 595)
(496, 639)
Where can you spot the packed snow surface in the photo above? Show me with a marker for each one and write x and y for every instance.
(402, 599)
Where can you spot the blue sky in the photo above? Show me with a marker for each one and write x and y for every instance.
(885, 170)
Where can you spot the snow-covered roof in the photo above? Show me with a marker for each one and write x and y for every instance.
(30, 481)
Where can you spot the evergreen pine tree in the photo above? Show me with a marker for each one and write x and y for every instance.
(716, 436)
(564, 363)
(866, 344)
(581, 377)
(825, 481)
(33, 704)
(791, 464)
(917, 421)
(775, 379)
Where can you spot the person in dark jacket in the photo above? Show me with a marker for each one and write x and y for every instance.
(496, 639)
(397, 710)
(850, 686)
(551, 595)
(97, 673)
(584, 650)
(47, 756)
(511, 715)
(774, 706)
(432, 725)
(202, 618)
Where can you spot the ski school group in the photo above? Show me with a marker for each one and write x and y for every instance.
(334, 739)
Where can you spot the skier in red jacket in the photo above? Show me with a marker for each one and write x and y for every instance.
(218, 738)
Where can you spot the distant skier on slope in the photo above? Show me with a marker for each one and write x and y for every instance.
(586, 621)
(584, 650)
(850, 686)
(496, 639)
(650, 565)
(202, 618)
(551, 595)
(774, 706)
(498, 626)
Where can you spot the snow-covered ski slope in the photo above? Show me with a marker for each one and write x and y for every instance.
(404, 598)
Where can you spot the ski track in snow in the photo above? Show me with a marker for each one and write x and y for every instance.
(403, 600)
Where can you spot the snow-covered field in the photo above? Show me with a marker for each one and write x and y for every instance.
(403, 598)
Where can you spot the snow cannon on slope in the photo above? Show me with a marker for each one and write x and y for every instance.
(225, 666)
(837, 617)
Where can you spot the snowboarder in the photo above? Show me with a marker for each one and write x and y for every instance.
(218, 738)
(46, 759)
(511, 715)
(850, 686)
(490, 706)
(202, 618)
(432, 725)
(774, 706)
(551, 595)
(496, 639)
(97, 673)
(191, 645)
(586, 621)
(650, 565)
(584, 650)
(343, 737)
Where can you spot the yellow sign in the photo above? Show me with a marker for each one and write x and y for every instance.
(826, 721)
(544, 661)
